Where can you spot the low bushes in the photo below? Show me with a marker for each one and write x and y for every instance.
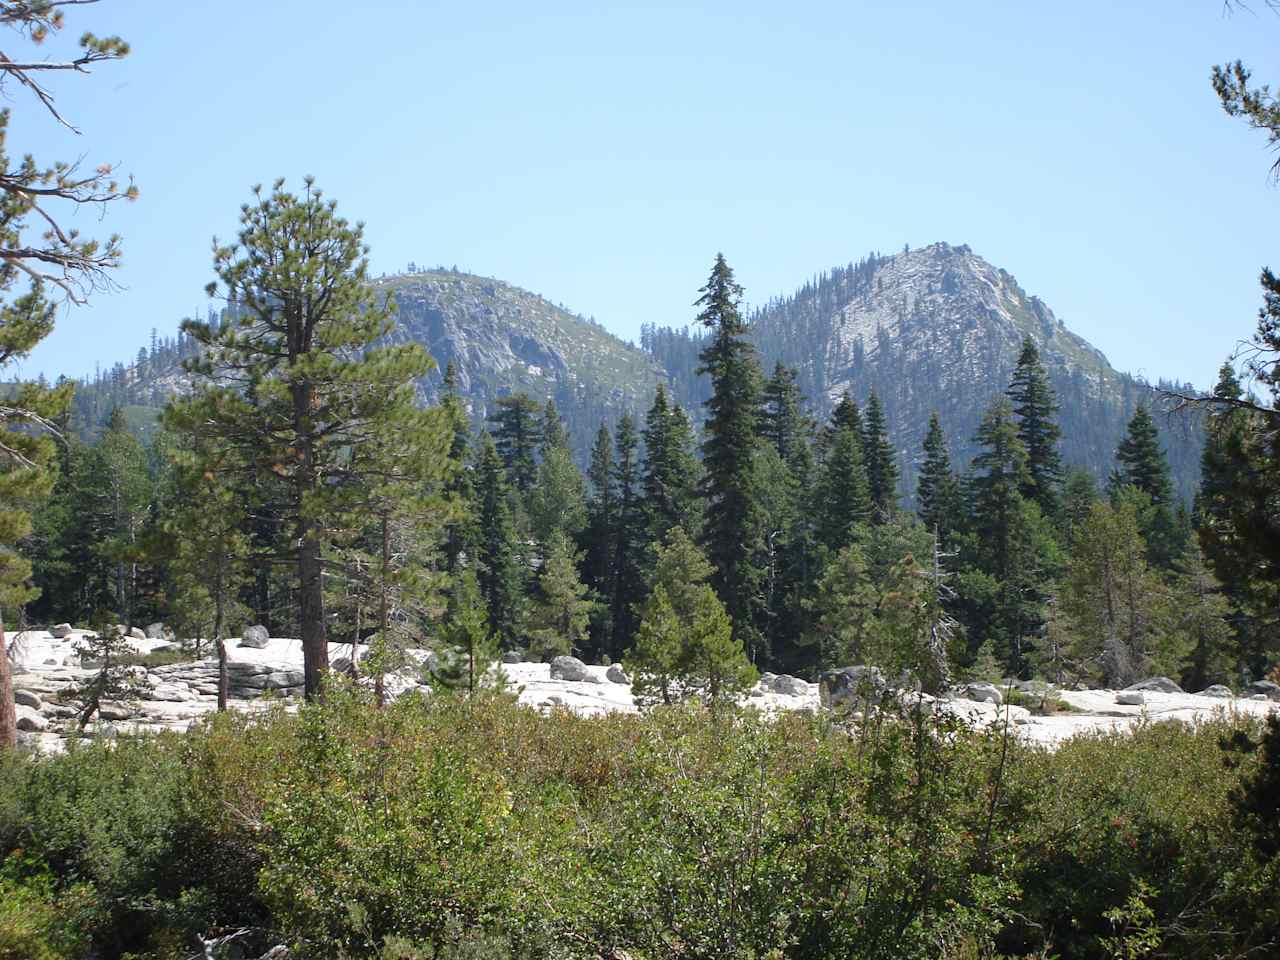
(459, 828)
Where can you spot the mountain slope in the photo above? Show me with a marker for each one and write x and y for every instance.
(939, 328)
(932, 328)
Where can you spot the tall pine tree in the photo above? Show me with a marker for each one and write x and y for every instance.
(881, 463)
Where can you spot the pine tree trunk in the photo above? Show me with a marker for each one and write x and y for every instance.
(315, 643)
(219, 626)
(8, 711)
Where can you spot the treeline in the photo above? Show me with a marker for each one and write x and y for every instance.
(305, 489)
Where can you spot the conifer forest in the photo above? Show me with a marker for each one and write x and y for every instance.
(411, 615)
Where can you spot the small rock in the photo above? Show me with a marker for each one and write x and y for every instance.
(155, 631)
(1131, 698)
(255, 637)
(790, 686)
(615, 674)
(61, 631)
(984, 693)
(114, 711)
(511, 656)
(1156, 685)
(1265, 687)
(284, 679)
(573, 669)
(30, 720)
(28, 698)
(1260, 696)
(1217, 690)
(850, 684)
(136, 633)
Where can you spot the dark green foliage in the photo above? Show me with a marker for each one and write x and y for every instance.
(1141, 459)
(627, 565)
(938, 496)
(880, 458)
(517, 433)
(843, 497)
(1036, 408)
(498, 569)
(732, 531)
(784, 421)
(671, 470)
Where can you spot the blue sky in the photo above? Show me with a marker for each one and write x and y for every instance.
(600, 154)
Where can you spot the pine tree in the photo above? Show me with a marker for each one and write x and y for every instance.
(845, 414)
(1036, 407)
(517, 433)
(294, 381)
(881, 463)
(124, 493)
(1200, 615)
(937, 492)
(460, 532)
(498, 571)
(731, 533)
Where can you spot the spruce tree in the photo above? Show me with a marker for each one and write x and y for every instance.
(498, 571)
(460, 530)
(881, 464)
(1000, 474)
(1036, 408)
(471, 647)
(731, 534)
(296, 380)
(845, 414)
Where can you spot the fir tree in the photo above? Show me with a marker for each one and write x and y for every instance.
(626, 584)
(881, 464)
(498, 572)
(843, 501)
(599, 535)
(517, 434)
(937, 492)
(783, 421)
(1141, 459)
(1000, 474)
(732, 530)
(557, 499)
(1036, 408)
(471, 648)
(561, 612)
(670, 470)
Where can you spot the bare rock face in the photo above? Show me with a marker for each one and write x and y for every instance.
(156, 631)
(255, 637)
(984, 693)
(61, 631)
(1131, 698)
(30, 720)
(615, 674)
